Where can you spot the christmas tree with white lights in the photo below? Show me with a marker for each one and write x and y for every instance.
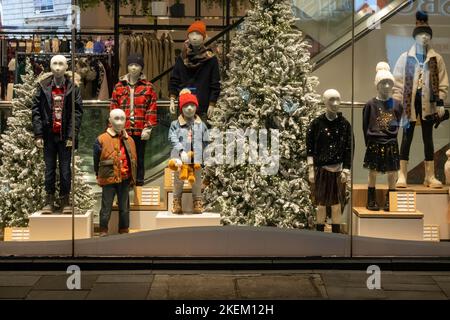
(22, 164)
(269, 86)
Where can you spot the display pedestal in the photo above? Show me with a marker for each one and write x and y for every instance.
(433, 203)
(387, 225)
(166, 220)
(140, 220)
(46, 227)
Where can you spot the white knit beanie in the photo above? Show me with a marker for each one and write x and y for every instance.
(383, 72)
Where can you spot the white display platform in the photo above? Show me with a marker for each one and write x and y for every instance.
(166, 220)
(139, 220)
(436, 211)
(46, 227)
(433, 203)
(387, 225)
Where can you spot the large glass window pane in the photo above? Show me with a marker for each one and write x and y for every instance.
(413, 46)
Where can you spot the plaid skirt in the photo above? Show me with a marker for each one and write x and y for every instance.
(328, 188)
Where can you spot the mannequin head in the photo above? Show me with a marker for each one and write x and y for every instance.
(195, 39)
(423, 39)
(188, 104)
(134, 70)
(422, 32)
(135, 64)
(384, 89)
(117, 120)
(332, 100)
(384, 80)
(197, 34)
(58, 66)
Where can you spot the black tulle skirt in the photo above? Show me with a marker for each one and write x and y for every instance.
(328, 188)
(382, 157)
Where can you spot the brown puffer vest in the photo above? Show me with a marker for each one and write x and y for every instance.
(109, 169)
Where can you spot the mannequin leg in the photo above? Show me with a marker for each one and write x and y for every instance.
(371, 197)
(392, 178)
(336, 218)
(321, 216)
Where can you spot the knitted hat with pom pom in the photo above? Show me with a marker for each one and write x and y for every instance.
(422, 24)
(383, 73)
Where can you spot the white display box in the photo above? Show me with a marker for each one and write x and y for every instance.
(166, 220)
(47, 227)
(436, 211)
(388, 225)
(141, 220)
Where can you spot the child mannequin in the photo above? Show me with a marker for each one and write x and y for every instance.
(381, 120)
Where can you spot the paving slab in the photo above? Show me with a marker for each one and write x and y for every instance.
(407, 279)
(57, 295)
(345, 280)
(14, 292)
(348, 293)
(119, 291)
(293, 287)
(18, 280)
(445, 287)
(410, 287)
(60, 282)
(192, 287)
(439, 279)
(415, 295)
(125, 278)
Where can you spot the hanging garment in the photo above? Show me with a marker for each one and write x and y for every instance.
(123, 54)
(47, 46)
(37, 45)
(55, 45)
(65, 46)
(29, 46)
(89, 47)
(99, 47)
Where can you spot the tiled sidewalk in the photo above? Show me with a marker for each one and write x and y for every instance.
(289, 284)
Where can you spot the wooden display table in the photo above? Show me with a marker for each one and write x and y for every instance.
(388, 225)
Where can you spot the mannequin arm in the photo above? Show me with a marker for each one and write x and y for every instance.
(311, 175)
(215, 86)
(443, 81)
(151, 116)
(36, 114)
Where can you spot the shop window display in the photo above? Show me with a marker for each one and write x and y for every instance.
(310, 151)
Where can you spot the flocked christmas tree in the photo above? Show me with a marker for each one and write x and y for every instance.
(268, 86)
(22, 166)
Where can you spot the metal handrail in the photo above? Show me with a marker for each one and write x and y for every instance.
(166, 104)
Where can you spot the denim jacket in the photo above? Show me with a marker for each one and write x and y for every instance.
(179, 134)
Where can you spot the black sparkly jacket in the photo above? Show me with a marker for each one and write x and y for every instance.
(330, 142)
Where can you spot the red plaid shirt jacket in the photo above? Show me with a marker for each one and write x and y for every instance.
(145, 109)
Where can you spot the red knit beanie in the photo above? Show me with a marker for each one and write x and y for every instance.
(186, 98)
(198, 26)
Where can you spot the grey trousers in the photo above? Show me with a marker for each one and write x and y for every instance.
(196, 188)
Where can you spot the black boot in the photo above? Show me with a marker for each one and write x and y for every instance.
(66, 208)
(371, 200)
(336, 228)
(49, 206)
(386, 202)
(320, 227)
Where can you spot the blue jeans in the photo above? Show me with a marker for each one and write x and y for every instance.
(55, 148)
(108, 193)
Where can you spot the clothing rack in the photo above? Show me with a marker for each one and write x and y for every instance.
(68, 55)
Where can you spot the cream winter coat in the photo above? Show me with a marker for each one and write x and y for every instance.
(399, 75)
